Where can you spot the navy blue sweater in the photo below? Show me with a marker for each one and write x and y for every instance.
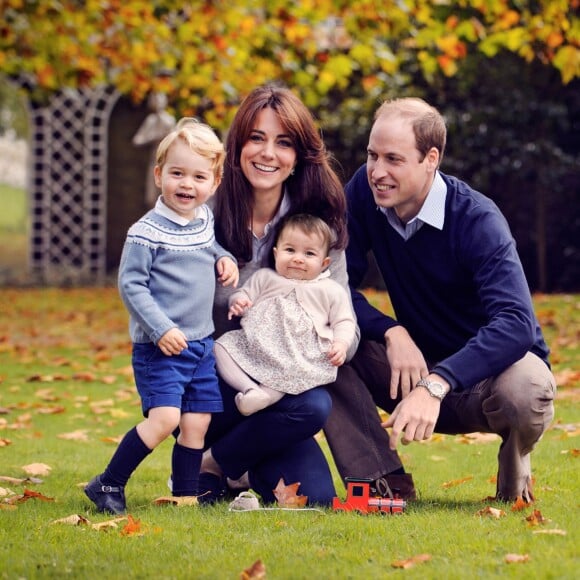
(460, 292)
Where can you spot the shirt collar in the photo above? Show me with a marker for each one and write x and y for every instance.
(168, 213)
(432, 211)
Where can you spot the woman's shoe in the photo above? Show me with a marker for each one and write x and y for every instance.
(212, 488)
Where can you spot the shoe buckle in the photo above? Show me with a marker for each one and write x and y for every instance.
(109, 489)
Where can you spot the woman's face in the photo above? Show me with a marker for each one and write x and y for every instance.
(268, 156)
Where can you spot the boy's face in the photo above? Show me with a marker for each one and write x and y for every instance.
(300, 256)
(187, 180)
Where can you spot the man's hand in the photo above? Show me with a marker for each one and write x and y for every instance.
(228, 273)
(416, 415)
(172, 342)
(414, 418)
(406, 361)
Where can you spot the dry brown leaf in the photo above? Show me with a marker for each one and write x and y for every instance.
(4, 492)
(56, 410)
(132, 527)
(79, 435)
(491, 512)
(28, 494)
(72, 520)
(478, 437)
(37, 469)
(536, 518)
(412, 561)
(519, 505)
(178, 501)
(286, 495)
(572, 452)
(5, 442)
(20, 480)
(86, 376)
(108, 524)
(46, 395)
(552, 532)
(257, 571)
(516, 558)
(455, 482)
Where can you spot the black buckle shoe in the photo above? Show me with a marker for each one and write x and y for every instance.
(107, 498)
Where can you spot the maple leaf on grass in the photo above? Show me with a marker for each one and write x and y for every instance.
(177, 501)
(257, 571)
(536, 518)
(491, 512)
(516, 558)
(132, 527)
(410, 562)
(72, 520)
(37, 469)
(286, 495)
(27, 495)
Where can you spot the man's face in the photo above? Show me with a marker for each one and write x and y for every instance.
(398, 177)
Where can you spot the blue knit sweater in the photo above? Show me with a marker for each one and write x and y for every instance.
(460, 292)
(167, 276)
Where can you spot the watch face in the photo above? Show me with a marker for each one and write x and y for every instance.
(437, 388)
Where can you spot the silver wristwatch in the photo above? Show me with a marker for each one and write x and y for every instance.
(435, 388)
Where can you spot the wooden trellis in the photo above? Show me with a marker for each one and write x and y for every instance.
(68, 185)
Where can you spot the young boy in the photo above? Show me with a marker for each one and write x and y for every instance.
(167, 282)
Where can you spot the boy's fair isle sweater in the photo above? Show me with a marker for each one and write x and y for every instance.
(460, 292)
(167, 276)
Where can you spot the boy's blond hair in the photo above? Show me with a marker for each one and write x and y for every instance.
(200, 138)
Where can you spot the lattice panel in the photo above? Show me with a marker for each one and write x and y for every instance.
(69, 184)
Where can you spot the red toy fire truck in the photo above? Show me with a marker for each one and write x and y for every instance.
(359, 499)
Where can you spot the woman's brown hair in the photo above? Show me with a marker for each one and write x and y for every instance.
(314, 187)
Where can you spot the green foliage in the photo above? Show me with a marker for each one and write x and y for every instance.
(207, 55)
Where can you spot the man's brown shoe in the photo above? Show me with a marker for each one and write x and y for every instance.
(392, 485)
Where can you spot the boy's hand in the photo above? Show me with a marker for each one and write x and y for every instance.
(337, 353)
(228, 273)
(172, 342)
(238, 307)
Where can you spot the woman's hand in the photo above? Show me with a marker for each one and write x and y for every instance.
(228, 273)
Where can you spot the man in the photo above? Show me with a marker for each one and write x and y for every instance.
(465, 352)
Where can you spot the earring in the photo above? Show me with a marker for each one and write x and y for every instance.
(292, 172)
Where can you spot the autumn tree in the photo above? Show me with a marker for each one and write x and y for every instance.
(207, 54)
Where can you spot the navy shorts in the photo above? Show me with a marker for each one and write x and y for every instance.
(187, 381)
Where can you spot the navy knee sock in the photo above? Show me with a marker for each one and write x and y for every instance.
(130, 453)
(185, 466)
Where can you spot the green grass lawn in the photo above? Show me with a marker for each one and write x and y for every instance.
(66, 394)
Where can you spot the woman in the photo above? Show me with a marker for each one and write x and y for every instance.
(276, 164)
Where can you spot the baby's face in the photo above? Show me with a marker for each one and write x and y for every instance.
(299, 255)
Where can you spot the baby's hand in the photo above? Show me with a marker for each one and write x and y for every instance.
(238, 307)
(228, 273)
(172, 342)
(337, 353)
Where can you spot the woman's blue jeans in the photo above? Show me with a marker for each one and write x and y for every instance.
(277, 442)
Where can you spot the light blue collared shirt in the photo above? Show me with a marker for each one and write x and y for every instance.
(432, 211)
(261, 246)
